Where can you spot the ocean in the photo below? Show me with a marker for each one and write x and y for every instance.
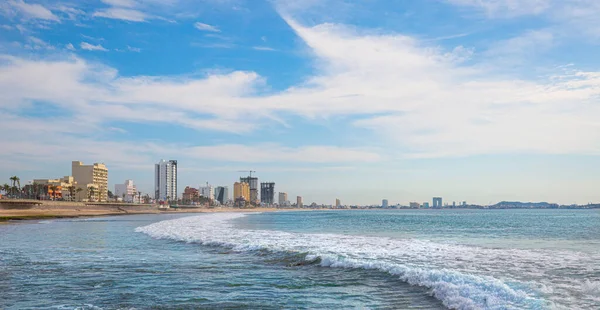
(372, 259)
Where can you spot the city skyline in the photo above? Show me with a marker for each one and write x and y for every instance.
(478, 101)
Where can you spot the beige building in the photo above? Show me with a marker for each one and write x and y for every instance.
(63, 188)
(241, 190)
(93, 179)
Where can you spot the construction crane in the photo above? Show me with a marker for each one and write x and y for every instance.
(249, 171)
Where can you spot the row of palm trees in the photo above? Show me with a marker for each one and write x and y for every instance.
(41, 191)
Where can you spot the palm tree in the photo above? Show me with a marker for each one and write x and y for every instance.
(90, 193)
(79, 190)
(139, 197)
(53, 188)
(15, 181)
(71, 189)
(5, 188)
(123, 197)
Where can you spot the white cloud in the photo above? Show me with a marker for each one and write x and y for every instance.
(35, 11)
(90, 47)
(506, 8)
(34, 43)
(134, 49)
(206, 27)
(70, 47)
(271, 153)
(264, 48)
(121, 3)
(422, 101)
(122, 13)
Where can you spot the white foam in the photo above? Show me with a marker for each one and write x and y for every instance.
(462, 277)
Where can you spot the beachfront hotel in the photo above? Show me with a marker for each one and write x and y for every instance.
(165, 180)
(91, 176)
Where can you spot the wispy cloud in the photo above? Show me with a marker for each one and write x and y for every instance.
(264, 48)
(34, 11)
(70, 47)
(505, 8)
(134, 49)
(122, 13)
(206, 27)
(90, 47)
(34, 43)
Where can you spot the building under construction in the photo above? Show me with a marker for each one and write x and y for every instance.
(253, 182)
(267, 193)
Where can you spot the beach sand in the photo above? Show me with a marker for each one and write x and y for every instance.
(30, 210)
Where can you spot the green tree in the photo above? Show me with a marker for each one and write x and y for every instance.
(16, 185)
(91, 191)
(5, 188)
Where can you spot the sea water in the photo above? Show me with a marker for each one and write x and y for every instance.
(397, 259)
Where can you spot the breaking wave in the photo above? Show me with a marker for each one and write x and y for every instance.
(462, 277)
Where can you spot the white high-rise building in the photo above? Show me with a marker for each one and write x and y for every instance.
(127, 191)
(165, 180)
(384, 203)
(207, 192)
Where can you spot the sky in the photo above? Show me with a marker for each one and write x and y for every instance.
(472, 100)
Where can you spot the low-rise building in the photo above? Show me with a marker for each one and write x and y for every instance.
(54, 189)
(190, 195)
(127, 191)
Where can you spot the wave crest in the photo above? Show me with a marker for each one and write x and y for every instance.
(457, 289)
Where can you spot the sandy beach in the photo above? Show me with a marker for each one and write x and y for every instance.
(31, 209)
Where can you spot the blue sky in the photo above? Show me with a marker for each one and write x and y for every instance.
(359, 100)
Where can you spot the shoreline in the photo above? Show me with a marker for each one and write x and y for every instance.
(20, 210)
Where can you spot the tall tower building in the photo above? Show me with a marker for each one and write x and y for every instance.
(253, 183)
(222, 194)
(283, 198)
(267, 193)
(384, 203)
(338, 203)
(437, 202)
(95, 176)
(165, 180)
(299, 202)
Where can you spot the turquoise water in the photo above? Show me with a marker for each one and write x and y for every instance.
(401, 259)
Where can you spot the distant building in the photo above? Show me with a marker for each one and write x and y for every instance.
(64, 188)
(253, 185)
(222, 194)
(190, 195)
(165, 180)
(414, 205)
(384, 203)
(241, 190)
(127, 191)
(464, 203)
(454, 203)
(437, 202)
(283, 198)
(91, 176)
(338, 203)
(207, 192)
(426, 205)
(299, 202)
(267, 193)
